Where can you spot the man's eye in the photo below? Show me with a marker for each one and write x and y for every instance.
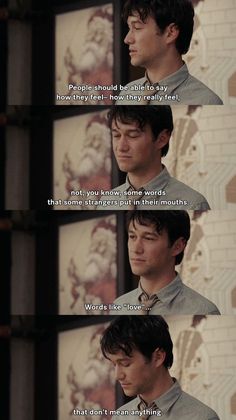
(134, 134)
(131, 236)
(126, 364)
(137, 28)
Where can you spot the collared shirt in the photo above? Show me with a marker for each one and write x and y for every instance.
(173, 299)
(181, 87)
(174, 404)
(163, 192)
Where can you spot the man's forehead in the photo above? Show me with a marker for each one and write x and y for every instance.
(134, 17)
(119, 355)
(144, 225)
(117, 123)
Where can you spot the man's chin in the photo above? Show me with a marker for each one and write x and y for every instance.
(137, 272)
(134, 61)
(124, 167)
(129, 392)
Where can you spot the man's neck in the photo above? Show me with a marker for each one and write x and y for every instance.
(163, 383)
(154, 285)
(164, 68)
(138, 179)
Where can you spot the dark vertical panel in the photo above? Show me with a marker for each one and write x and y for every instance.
(5, 271)
(3, 59)
(42, 53)
(5, 264)
(46, 265)
(124, 281)
(5, 379)
(40, 158)
(5, 239)
(3, 100)
(46, 369)
(121, 51)
(2, 165)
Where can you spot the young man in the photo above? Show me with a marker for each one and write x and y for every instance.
(141, 351)
(159, 34)
(140, 138)
(156, 244)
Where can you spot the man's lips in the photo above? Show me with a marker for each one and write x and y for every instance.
(137, 260)
(124, 385)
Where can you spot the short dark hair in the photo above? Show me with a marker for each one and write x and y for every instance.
(175, 222)
(165, 12)
(159, 117)
(142, 333)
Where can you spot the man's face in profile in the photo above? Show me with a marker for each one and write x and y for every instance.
(147, 45)
(134, 148)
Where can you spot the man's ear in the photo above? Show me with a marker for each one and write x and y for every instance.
(171, 33)
(158, 356)
(178, 246)
(163, 138)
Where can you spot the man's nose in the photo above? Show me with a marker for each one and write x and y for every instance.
(129, 39)
(119, 374)
(137, 246)
(123, 144)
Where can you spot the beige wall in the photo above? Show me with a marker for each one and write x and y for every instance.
(212, 54)
(203, 152)
(205, 360)
(210, 258)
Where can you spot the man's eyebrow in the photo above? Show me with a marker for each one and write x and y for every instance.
(121, 359)
(128, 130)
(145, 232)
(134, 20)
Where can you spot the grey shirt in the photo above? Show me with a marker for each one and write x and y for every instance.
(174, 299)
(180, 87)
(174, 404)
(163, 192)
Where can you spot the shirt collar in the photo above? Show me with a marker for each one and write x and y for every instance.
(165, 401)
(159, 182)
(167, 293)
(173, 81)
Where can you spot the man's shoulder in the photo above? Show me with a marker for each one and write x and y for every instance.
(202, 94)
(126, 296)
(109, 200)
(195, 199)
(184, 197)
(137, 82)
(132, 88)
(124, 300)
(200, 304)
(120, 188)
(126, 408)
(198, 409)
